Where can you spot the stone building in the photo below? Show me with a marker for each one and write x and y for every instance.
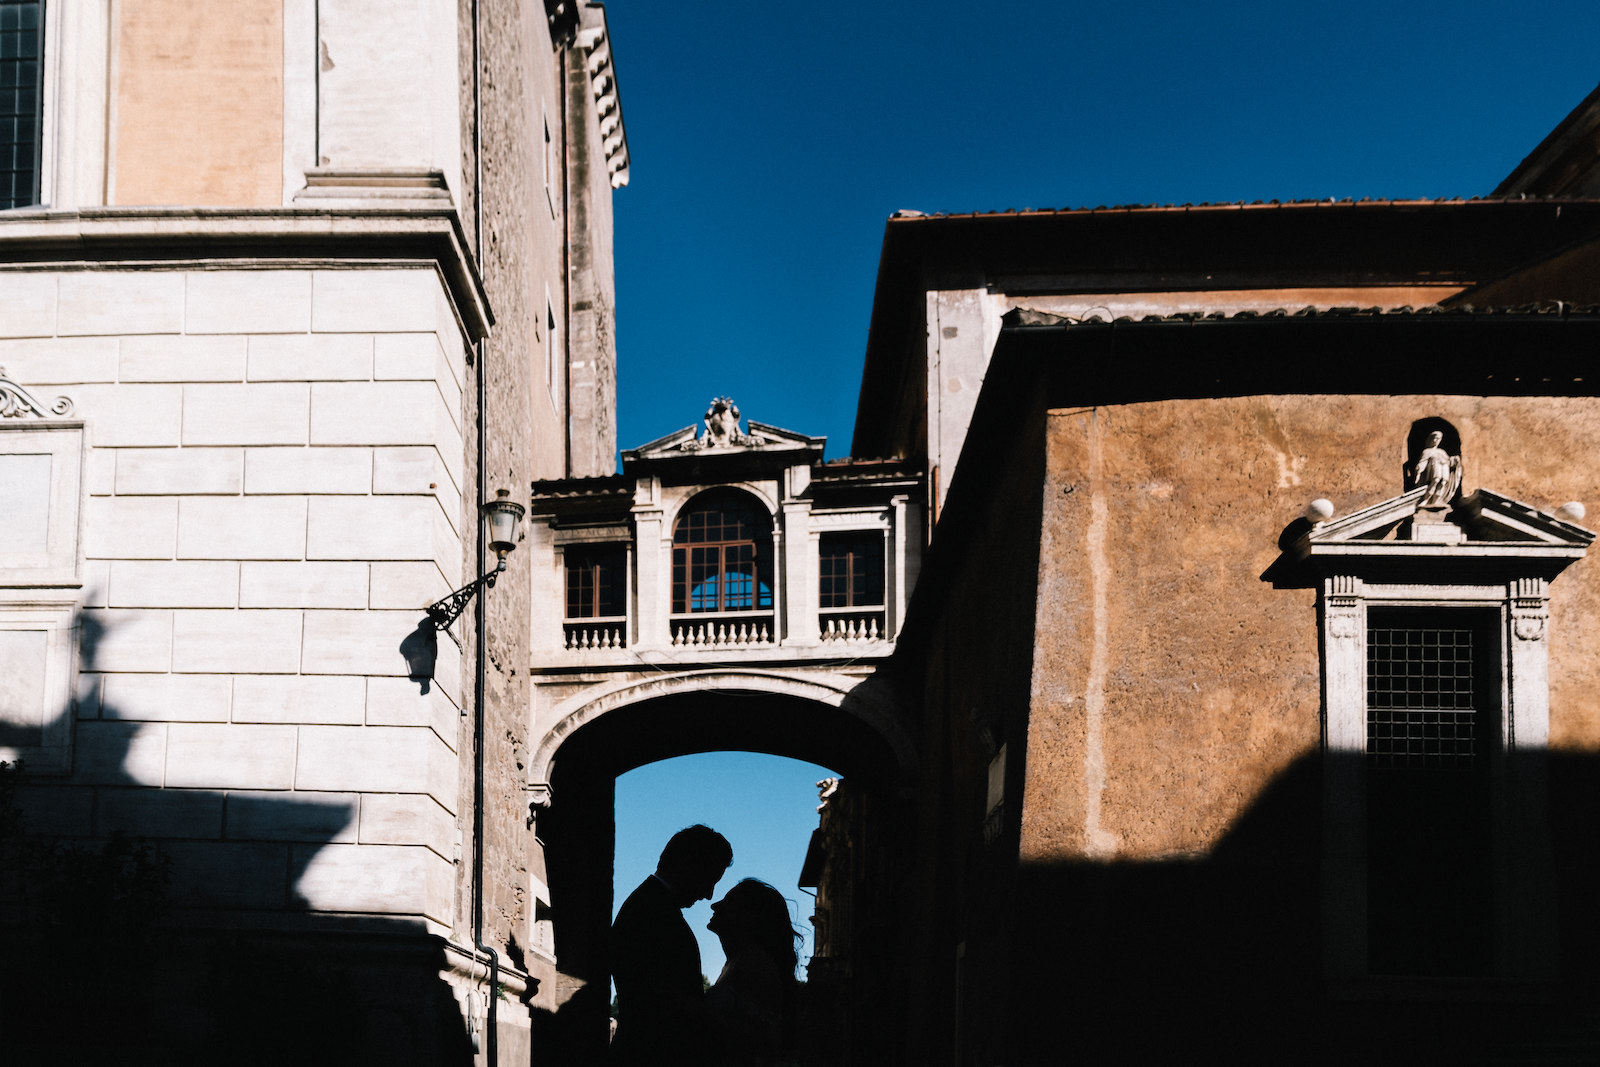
(727, 590)
(288, 288)
(1251, 661)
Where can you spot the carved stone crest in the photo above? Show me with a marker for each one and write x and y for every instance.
(16, 402)
(721, 427)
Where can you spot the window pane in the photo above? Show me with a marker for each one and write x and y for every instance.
(739, 577)
(19, 102)
(704, 568)
(851, 569)
(726, 563)
(596, 583)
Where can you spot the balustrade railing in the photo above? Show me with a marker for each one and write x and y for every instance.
(724, 630)
(583, 635)
(852, 625)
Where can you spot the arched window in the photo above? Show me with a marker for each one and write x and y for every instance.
(722, 555)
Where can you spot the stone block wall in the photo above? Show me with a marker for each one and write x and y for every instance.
(272, 490)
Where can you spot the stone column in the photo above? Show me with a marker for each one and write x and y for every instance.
(902, 562)
(799, 563)
(1344, 808)
(548, 590)
(799, 578)
(1527, 922)
(652, 567)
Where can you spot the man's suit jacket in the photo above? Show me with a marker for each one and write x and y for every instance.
(655, 962)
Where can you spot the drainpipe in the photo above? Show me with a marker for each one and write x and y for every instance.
(566, 253)
(480, 619)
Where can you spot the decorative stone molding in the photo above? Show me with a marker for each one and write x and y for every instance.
(834, 690)
(16, 402)
(396, 234)
(594, 38)
(721, 428)
(1432, 552)
(363, 185)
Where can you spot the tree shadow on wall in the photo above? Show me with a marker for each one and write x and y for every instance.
(159, 925)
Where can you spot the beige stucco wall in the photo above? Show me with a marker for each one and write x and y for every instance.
(964, 324)
(198, 103)
(1172, 684)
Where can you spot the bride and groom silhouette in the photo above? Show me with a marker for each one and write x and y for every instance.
(746, 1019)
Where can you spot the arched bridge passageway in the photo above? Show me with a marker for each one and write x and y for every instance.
(844, 722)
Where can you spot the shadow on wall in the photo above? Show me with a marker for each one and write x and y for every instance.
(159, 925)
(1219, 958)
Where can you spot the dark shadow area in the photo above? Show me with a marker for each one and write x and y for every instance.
(147, 925)
(420, 648)
(1220, 958)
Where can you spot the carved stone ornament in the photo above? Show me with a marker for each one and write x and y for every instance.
(1529, 627)
(721, 427)
(1439, 471)
(16, 402)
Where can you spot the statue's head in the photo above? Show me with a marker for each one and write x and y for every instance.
(1434, 439)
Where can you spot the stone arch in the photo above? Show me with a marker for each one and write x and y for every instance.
(671, 513)
(856, 697)
(847, 722)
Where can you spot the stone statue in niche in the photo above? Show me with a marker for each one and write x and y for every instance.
(1439, 471)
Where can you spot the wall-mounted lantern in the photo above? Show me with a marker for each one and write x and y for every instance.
(504, 515)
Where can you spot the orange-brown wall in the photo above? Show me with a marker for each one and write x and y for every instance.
(1173, 684)
(198, 95)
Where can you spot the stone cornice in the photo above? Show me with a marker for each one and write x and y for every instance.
(594, 38)
(100, 238)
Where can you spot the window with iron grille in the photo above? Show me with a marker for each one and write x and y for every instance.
(596, 581)
(21, 96)
(1421, 705)
(722, 555)
(851, 569)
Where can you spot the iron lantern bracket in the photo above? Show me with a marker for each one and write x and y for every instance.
(443, 612)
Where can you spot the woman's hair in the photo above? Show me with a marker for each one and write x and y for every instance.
(764, 916)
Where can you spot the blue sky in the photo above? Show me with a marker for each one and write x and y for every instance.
(765, 806)
(770, 140)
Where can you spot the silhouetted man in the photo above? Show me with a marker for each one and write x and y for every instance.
(655, 960)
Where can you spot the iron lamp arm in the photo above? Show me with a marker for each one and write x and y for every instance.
(443, 612)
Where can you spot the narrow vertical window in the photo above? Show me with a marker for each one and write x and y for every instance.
(549, 163)
(550, 349)
(851, 569)
(596, 588)
(850, 586)
(21, 97)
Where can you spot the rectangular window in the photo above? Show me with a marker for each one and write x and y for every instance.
(1433, 724)
(596, 581)
(549, 163)
(550, 349)
(851, 569)
(21, 100)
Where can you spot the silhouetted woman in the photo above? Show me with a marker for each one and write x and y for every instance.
(755, 996)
